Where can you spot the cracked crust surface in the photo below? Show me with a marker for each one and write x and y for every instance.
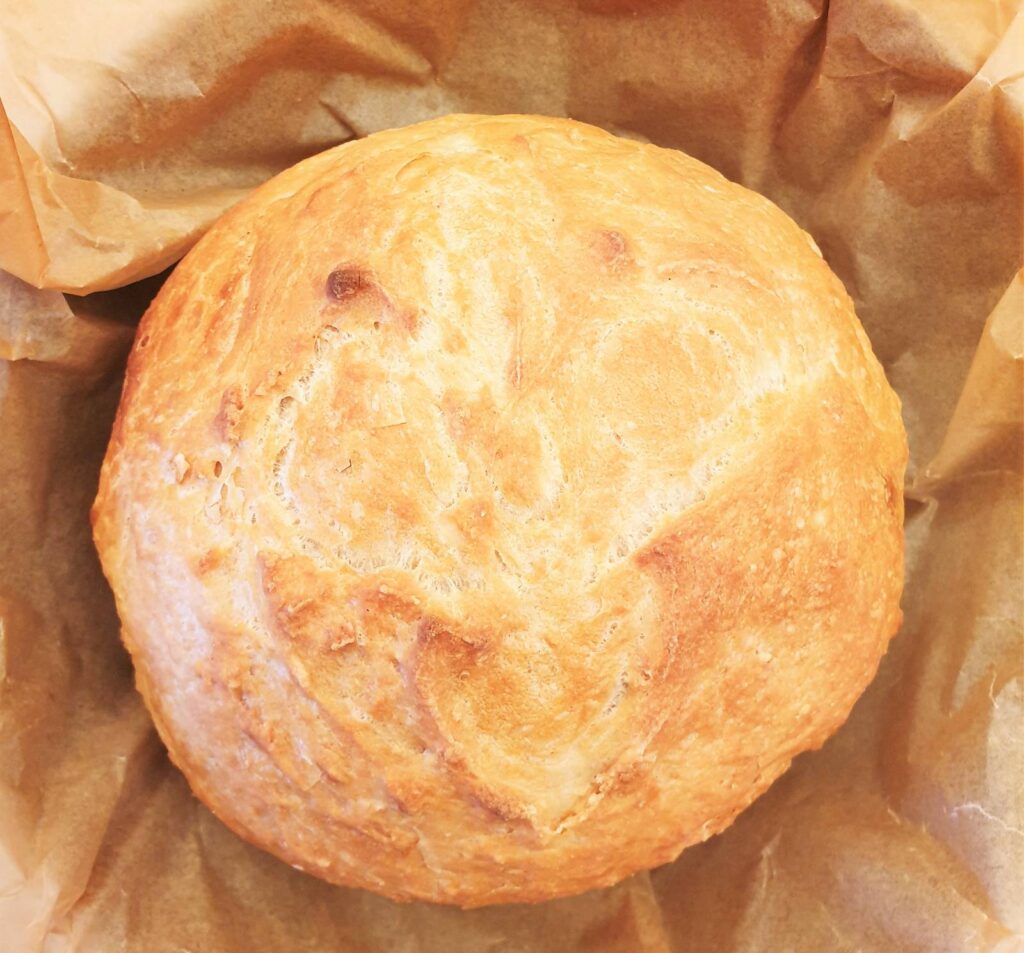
(496, 507)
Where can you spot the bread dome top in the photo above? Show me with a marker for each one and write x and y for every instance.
(496, 506)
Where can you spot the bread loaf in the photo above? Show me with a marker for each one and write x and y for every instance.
(496, 507)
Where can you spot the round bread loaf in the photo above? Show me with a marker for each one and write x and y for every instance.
(496, 506)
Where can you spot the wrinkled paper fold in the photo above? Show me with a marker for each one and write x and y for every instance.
(890, 129)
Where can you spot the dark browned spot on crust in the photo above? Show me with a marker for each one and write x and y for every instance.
(211, 560)
(523, 143)
(302, 609)
(344, 283)
(348, 284)
(382, 604)
(431, 628)
(612, 248)
(229, 288)
(229, 417)
(458, 638)
(892, 495)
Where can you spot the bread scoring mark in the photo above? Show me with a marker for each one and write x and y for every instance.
(323, 199)
(418, 166)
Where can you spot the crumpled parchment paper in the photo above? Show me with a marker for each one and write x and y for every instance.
(890, 129)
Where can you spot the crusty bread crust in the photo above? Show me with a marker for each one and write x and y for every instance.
(497, 506)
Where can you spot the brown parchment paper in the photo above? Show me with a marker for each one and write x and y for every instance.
(891, 129)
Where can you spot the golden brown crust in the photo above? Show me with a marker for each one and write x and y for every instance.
(496, 506)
